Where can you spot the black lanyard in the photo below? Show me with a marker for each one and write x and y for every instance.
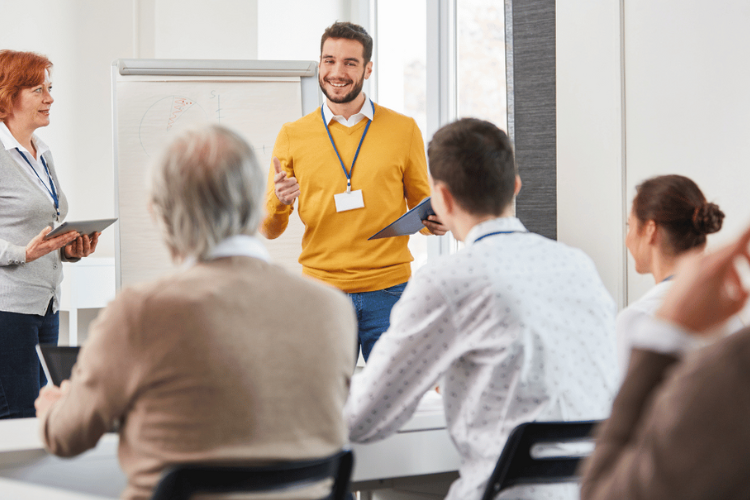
(53, 191)
(348, 173)
(496, 232)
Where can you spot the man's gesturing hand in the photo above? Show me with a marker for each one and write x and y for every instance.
(287, 189)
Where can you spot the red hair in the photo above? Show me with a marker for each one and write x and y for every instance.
(19, 70)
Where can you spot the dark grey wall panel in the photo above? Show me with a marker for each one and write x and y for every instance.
(530, 47)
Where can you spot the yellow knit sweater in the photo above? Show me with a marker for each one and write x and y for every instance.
(391, 171)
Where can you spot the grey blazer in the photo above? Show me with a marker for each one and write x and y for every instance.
(24, 211)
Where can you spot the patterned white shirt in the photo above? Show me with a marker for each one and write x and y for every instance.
(520, 327)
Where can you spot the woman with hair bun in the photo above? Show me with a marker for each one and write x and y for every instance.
(669, 217)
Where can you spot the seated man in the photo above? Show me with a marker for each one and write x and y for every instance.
(207, 364)
(679, 426)
(520, 327)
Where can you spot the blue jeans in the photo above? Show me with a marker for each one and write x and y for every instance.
(374, 314)
(21, 374)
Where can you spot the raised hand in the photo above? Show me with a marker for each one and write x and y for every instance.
(287, 188)
(707, 289)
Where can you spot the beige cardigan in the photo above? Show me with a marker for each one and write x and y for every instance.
(234, 359)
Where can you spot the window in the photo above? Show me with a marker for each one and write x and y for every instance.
(400, 73)
(480, 51)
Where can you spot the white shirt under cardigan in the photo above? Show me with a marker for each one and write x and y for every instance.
(10, 144)
(518, 326)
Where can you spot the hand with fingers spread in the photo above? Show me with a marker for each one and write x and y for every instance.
(287, 188)
(82, 246)
(39, 247)
(708, 289)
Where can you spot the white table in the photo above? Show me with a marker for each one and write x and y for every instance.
(421, 447)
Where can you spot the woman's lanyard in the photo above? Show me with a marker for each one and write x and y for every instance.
(53, 191)
(496, 232)
(348, 173)
(668, 278)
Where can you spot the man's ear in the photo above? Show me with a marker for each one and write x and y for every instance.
(517, 189)
(368, 70)
(448, 202)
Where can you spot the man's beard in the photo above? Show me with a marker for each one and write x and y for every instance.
(347, 97)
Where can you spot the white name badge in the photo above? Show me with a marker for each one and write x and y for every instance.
(349, 200)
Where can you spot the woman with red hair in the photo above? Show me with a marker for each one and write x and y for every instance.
(31, 203)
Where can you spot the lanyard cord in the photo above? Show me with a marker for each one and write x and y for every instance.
(346, 172)
(496, 232)
(53, 191)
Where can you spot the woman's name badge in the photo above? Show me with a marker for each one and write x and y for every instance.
(349, 200)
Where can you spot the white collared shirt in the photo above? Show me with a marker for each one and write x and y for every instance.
(518, 326)
(10, 144)
(366, 111)
(239, 245)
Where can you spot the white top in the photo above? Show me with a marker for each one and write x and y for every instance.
(520, 327)
(10, 144)
(366, 111)
(633, 331)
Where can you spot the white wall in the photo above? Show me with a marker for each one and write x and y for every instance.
(688, 104)
(589, 135)
(679, 67)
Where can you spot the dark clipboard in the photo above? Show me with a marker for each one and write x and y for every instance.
(57, 361)
(407, 224)
(82, 226)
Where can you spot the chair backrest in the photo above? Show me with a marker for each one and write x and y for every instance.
(516, 464)
(182, 481)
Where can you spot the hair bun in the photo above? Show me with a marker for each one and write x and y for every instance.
(707, 218)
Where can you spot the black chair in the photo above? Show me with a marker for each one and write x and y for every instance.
(516, 464)
(182, 481)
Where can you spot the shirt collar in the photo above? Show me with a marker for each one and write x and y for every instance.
(492, 226)
(366, 111)
(240, 245)
(10, 142)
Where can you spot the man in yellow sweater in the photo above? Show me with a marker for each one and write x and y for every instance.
(355, 167)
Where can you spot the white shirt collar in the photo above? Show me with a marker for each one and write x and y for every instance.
(10, 142)
(240, 245)
(510, 224)
(366, 111)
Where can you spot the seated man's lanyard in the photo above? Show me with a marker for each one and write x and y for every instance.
(53, 191)
(497, 232)
(348, 173)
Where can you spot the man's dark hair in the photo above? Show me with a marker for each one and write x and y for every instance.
(349, 31)
(474, 159)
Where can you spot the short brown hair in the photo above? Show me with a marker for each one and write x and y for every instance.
(19, 70)
(677, 205)
(474, 159)
(350, 31)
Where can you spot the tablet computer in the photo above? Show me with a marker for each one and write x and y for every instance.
(82, 226)
(57, 361)
(409, 223)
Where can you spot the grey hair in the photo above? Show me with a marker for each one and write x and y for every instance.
(205, 187)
